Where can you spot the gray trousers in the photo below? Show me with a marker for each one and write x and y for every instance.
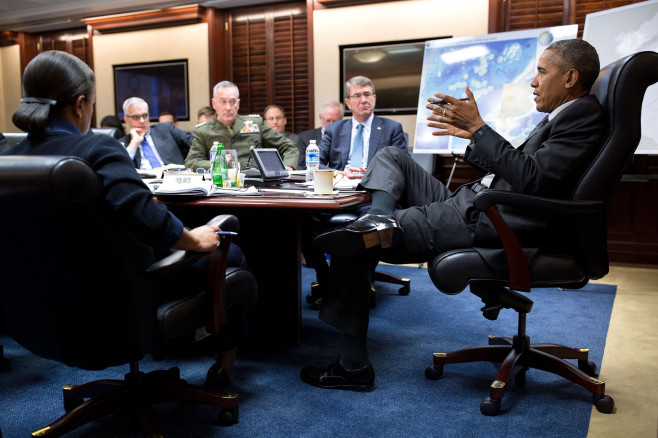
(432, 217)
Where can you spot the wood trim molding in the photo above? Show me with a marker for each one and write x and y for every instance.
(154, 18)
(342, 3)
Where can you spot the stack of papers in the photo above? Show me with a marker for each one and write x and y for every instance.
(197, 188)
(203, 188)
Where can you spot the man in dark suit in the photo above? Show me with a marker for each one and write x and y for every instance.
(349, 145)
(331, 111)
(152, 146)
(432, 219)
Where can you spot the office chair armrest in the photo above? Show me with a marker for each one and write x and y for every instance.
(487, 198)
(179, 259)
(517, 265)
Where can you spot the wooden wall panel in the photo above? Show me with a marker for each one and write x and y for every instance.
(270, 61)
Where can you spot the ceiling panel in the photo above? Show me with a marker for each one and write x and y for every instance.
(44, 15)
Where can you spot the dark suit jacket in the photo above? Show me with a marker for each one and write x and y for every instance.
(172, 143)
(303, 141)
(335, 144)
(549, 163)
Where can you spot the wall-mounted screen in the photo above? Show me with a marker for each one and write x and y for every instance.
(163, 85)
(498, 69)
(394, 67)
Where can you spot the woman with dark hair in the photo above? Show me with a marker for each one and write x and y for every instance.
(56, 109)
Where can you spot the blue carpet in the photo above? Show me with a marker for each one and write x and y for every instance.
(404, 332)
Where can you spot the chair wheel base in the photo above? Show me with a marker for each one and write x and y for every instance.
(433, 372)
(228, 416)
(490, 406)
(604, 403)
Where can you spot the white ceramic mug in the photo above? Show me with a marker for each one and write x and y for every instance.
(324, 180)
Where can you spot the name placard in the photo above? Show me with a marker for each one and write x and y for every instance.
(175, 178)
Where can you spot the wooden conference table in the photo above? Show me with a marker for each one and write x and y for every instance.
(270, 236)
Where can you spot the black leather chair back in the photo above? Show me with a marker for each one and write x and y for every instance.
(620, 89)
(74, 287)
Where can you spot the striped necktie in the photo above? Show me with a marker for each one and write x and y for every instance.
(147, 150)
(538, 127)
(357, 147)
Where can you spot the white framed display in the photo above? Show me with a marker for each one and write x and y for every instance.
(622, 31)
(498, 68)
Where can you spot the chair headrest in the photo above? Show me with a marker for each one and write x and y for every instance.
(43, 178)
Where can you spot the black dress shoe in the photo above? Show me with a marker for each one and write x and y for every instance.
(316, 297)
(335, 376)
(368, 231)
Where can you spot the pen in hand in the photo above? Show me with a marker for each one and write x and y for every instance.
(443, 102)
(226, 233)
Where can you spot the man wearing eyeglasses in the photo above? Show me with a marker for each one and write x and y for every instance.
(154, 146)
(276, 119)
(349, 145)
(235, 131)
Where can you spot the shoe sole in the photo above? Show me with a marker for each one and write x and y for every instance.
(356, 388)
(346, 243)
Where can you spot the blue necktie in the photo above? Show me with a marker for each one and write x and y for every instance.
(357, 147)
(149, 154)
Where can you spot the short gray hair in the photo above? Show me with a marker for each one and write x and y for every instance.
(333, 103)
(224, 84)
(133, 101)
(358, 80)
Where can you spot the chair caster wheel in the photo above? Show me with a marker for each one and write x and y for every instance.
(433, 372)
(228, 417)
(490, 406)
(72, 403)
(587, 366)
(404, 290)
(519, 379)
(604, 403)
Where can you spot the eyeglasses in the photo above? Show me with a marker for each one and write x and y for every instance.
(271, 119)
(357, 96)
(138, 117)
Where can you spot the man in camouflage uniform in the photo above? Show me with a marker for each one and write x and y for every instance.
(241, 133)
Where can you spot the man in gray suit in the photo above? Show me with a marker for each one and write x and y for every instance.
(432, 219)
(152, 146)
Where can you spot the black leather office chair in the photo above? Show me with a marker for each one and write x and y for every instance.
(581, 256)
(75, 289)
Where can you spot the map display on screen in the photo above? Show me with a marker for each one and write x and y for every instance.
(498, 68)
(620, 32)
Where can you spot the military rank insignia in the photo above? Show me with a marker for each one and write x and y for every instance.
(249, 127)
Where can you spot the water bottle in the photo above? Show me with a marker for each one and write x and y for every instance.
(216, 165)
(213, 154)
(312, 160)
